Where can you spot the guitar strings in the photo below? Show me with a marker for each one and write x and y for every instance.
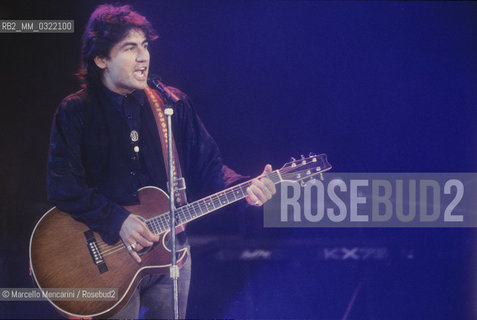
(116, 248)
(121, 246)
(216, 203)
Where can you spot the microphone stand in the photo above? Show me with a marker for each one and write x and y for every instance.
(171, 99)
(174, 270)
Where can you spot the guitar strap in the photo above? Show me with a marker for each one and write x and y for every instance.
(157, 105)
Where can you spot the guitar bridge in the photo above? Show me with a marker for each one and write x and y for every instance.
(95, 252)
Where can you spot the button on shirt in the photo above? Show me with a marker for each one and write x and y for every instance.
(130, 107)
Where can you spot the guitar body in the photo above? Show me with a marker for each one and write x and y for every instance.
(62, 255)
(65, 253)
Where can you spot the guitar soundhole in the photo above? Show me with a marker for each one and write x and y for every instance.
(181, 241)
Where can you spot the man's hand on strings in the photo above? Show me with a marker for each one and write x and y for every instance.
(136, 235)
(262, 189)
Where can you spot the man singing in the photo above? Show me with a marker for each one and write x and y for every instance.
(105, 145)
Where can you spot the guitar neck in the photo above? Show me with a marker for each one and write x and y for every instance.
(296, 170)
(205, 205)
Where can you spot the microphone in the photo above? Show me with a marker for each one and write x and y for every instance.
(154, 81)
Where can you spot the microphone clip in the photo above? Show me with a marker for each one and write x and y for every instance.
(169, 96)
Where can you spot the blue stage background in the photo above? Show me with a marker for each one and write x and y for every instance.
(378, 86)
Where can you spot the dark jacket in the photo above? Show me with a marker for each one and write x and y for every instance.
(92, 169)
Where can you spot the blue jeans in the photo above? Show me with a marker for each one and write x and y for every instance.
(153, 297)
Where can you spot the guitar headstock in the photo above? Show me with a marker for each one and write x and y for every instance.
(306, 167)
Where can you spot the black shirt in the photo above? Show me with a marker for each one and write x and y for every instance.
(131, 107)
(92, 168)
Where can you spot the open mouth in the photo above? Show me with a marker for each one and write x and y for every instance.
(140, 73)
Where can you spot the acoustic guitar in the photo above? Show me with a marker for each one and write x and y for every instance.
(65, 253)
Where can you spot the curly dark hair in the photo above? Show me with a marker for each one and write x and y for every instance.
(108, 25)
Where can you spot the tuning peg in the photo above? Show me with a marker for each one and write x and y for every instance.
(311, 154)
(302, 156)
(293, 164)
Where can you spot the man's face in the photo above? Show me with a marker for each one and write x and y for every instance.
(127, 67)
